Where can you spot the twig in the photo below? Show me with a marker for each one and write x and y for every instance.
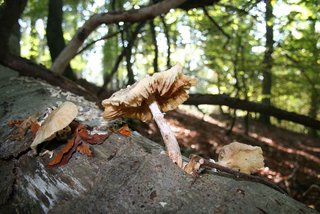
(239, 175)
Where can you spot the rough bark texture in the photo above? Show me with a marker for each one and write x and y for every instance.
(126, 174)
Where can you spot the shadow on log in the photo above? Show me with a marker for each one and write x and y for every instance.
(126, 174)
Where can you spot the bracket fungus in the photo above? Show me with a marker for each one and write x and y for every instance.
(57, 120)
(238, 156)
(148, 98)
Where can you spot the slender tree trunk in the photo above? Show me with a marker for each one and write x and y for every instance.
(10, 13)
(166, 33)
(267, 60)
(155, 45)
(54, 34)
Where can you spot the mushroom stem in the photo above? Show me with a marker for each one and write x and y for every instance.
(167, 134)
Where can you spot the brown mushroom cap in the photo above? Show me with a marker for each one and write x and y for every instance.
(60, 118)
(168, 88)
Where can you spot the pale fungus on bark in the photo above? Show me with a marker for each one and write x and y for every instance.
(148, 99)
(238, 156)
(57, 120)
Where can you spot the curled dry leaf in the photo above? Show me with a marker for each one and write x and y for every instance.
(193, 166)
(84, 149)
(91, 139)
(65, 150)
(125, 130)
(34, 129)
(80, 136)
(238, 156)
(22, 127)
(60, 118)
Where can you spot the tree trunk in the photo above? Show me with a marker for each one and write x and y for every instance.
(54, 34)
(10, 13)
(267, 61)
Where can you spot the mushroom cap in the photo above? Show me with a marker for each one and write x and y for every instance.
(242, 157)
(60, 118)
(167, 88)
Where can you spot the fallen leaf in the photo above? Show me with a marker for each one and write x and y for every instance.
(14, 123)
(125, 131)
(84, 149)
(34, 128)
(193, 166)
(58, 158)
(91, 139)
(67, 156)
(22, 127)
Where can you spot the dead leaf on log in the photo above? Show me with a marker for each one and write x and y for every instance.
(91, 139)
(84, 149)
(58, 158)
(125, 130)
(22, 127)
(34, 128)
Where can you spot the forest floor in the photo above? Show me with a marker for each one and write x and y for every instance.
(292, 160)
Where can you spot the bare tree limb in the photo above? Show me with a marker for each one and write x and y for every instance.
(210, 99)
(206, 13)
(108, 18)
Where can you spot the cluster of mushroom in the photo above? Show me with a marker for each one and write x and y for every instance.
(148, 99)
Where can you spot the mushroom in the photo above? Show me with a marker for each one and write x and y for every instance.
(238, 156)
(57, 120)
(148, 98)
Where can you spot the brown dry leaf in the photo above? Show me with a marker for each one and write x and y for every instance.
(193, 166)
(58, 158)
(14, 123)
(125, 130)
(22, 127)
(34, 128)
(91, 139)
(84, 149)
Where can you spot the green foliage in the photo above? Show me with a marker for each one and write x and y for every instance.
(222, 46)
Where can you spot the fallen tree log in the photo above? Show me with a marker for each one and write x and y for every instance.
(211, 99)
(126, 174)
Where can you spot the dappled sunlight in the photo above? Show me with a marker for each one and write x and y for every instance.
(276, 145)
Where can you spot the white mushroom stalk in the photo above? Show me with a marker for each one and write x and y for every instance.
(168, 136)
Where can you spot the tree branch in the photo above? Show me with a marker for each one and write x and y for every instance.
(109, 18)
(199, 99)
(217, 25)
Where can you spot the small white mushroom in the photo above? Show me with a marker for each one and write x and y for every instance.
(148, 98)
(57, 120)
(238, 156)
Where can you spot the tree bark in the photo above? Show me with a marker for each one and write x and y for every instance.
(198, 99)
(11, 12)
(108, 18)
(267, 61)
(54, 34)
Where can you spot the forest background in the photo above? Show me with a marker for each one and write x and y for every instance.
(263, 52)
